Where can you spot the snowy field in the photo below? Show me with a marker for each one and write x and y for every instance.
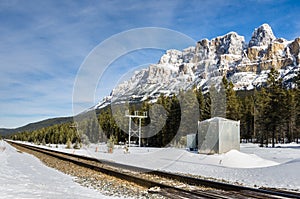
(23, 176)
(252, 166)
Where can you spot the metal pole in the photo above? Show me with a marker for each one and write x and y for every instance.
(129, 131)
(140, 130)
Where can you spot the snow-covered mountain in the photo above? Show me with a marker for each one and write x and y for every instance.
(245, 64)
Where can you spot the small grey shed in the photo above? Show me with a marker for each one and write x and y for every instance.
(218, 135)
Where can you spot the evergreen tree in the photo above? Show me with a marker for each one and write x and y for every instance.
(247, 118)
(146, 131)
(261, 120)
(189, 113)
(207, 107)
(232, 103)
(171, 131)
(296, 81)
(275, 106)
(217, 101)
(289, 116)
(201, 102)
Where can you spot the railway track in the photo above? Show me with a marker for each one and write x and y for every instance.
(166, 184)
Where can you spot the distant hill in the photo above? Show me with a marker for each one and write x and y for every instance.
(36, 125)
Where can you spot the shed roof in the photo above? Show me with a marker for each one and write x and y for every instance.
(214, 119)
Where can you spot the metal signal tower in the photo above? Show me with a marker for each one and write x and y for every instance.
(137, 114)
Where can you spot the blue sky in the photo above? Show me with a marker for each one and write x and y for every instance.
(44, 43)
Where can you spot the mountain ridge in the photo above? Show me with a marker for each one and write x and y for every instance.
(245, 64)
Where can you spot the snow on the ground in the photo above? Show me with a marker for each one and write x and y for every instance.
(237, 159)
(252, 165)
(24, 176)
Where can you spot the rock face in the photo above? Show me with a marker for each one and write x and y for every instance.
(294, 50)
(219, 54)
(245, 64)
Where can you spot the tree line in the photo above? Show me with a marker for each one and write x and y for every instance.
(268, 114)
(56, 134)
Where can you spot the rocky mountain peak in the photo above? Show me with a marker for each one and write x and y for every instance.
(171, 57)
(262, 36)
